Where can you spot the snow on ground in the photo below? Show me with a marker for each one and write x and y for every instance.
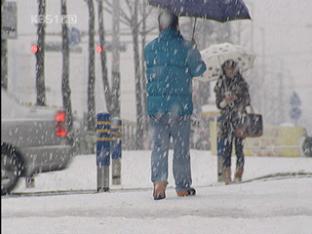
(81, 173)
(272, 206)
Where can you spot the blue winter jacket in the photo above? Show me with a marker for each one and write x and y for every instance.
(171, 63)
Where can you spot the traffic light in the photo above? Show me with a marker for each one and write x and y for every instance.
(99, 49)
(34, 49)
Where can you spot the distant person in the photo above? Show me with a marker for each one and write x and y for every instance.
(171, 63)
(307, 146)
(232, 98)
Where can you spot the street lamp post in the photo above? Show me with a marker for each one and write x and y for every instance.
(263, 64)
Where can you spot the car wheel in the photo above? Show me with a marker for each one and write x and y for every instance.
(11, 168)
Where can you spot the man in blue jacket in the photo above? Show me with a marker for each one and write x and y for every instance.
(171, 63)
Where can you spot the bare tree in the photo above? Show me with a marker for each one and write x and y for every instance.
(137, 74)
(103, 56)
(4, 58)
(143, 42)
(66, 92)
(40, 83)
(112, 93)
(116, 60)
(130, 17)
(91, 72)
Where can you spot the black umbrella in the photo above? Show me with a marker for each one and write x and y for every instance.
(219, 10)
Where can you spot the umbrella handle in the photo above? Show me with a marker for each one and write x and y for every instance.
(194, 27)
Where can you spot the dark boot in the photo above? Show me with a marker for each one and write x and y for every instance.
(238, 174)
(227, 175)
(187, 192)
(160, 190)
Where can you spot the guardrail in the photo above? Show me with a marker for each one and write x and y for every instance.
(85, 140)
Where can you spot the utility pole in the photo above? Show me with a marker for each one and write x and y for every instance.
(91, 71)
(145, 128)
(281, 112)
(4, 56)
(263, 73)
(40, 83)
(116, 121)
(251, 5)
(116, 60)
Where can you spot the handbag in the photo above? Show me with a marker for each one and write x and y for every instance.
(250, 125)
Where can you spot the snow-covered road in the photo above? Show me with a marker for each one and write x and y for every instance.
(263, 206)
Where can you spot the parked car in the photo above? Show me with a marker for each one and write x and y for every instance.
(33, 140)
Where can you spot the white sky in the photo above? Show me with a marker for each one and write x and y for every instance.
(287, 29)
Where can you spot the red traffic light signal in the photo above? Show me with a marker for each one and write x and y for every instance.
(34, 49)
(99, 48)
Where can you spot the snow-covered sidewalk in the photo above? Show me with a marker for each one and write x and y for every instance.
(274, 206)
(81, 173)
(283, 206)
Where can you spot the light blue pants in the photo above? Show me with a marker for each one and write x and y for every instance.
(177, 127)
